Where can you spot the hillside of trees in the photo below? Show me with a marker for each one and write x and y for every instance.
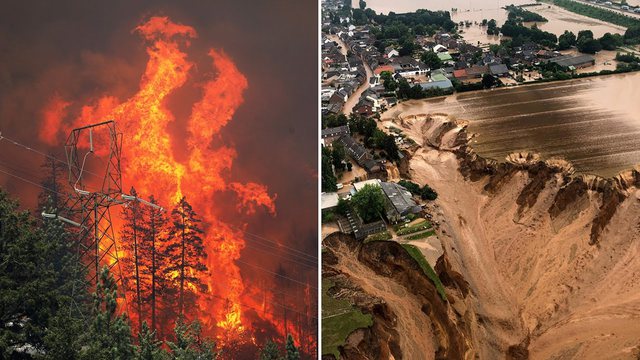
(50, 310)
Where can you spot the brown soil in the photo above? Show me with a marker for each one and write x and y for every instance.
(551, 259)
(411, 321)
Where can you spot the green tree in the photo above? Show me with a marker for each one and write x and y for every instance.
(270, 351)
(343, 207)
(492, 27)
(566, 40)
(388, 81)
(149, 347)
(369, 203)
(333, 120)
(407, 46)
(186, 253)
(54, 194)
(585, 34)
(338, 155)
(292, 351)
(610, 41)
(431, 59)
(632, 35)
(427, 193)
(362, 4)
(42, 292)
(109, 336)
(189, 343)
(488, 81)
(588, 46)
(328, 178)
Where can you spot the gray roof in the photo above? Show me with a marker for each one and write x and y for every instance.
(442, 84)
(400, 198)
(498, 69)
(568, 60)
(335, 131)
(354, 149)
(328, 200)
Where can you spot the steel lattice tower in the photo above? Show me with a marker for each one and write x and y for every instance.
(93, 154)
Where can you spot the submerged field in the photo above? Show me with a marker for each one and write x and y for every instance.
(594, 123)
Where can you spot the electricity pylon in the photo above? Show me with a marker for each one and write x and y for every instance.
(93, 154)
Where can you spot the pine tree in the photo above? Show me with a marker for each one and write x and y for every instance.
(153, 233)
(38, 276)
(292, 351)
(131, 234)
(109, 336)
(189, 344)
(54, 195)
(270, 351)
(185, 251)
(149, 347)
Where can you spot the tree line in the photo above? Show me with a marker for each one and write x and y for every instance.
(49, 311)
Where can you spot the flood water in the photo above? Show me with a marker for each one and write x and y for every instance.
(594, 123)
(477, 10)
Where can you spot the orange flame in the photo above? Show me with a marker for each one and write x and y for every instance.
(149, 164)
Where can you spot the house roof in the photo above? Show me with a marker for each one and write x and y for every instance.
(438, 77)
(444, 56)
(361, 184)
(442, 84)
(460, 73)
(328, 200)
(400, 198)
(477, 70)
(335, 131)
(354, 148)
(382, 68)
(439, 48)
(498, 69)
(569, 60)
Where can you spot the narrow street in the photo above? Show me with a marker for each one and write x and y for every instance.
(353, 99)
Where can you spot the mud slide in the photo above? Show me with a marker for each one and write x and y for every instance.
(551, 258)
(411, 321)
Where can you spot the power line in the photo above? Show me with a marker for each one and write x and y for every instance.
(309, 265)
(26, 147)
(276, 274)
(294, 252)
(274, 304)
(48, 189)
(275, 242)
(29, 181)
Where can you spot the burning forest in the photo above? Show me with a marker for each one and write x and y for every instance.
(176, 256)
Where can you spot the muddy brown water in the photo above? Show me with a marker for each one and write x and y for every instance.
(594, 123)
(477, 10)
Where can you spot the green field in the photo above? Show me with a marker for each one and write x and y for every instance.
(428, 270)
(339, 319)
(424, 225)
(421, 235)
(381, 236)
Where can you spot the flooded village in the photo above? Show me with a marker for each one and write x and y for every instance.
(478, 144)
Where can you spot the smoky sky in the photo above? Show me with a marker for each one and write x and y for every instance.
(80, 50)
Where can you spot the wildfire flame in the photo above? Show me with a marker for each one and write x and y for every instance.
(149, 164)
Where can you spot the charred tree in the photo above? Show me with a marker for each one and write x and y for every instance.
(185, 251)
(152, 239)
(54, 194)
(133, 216)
